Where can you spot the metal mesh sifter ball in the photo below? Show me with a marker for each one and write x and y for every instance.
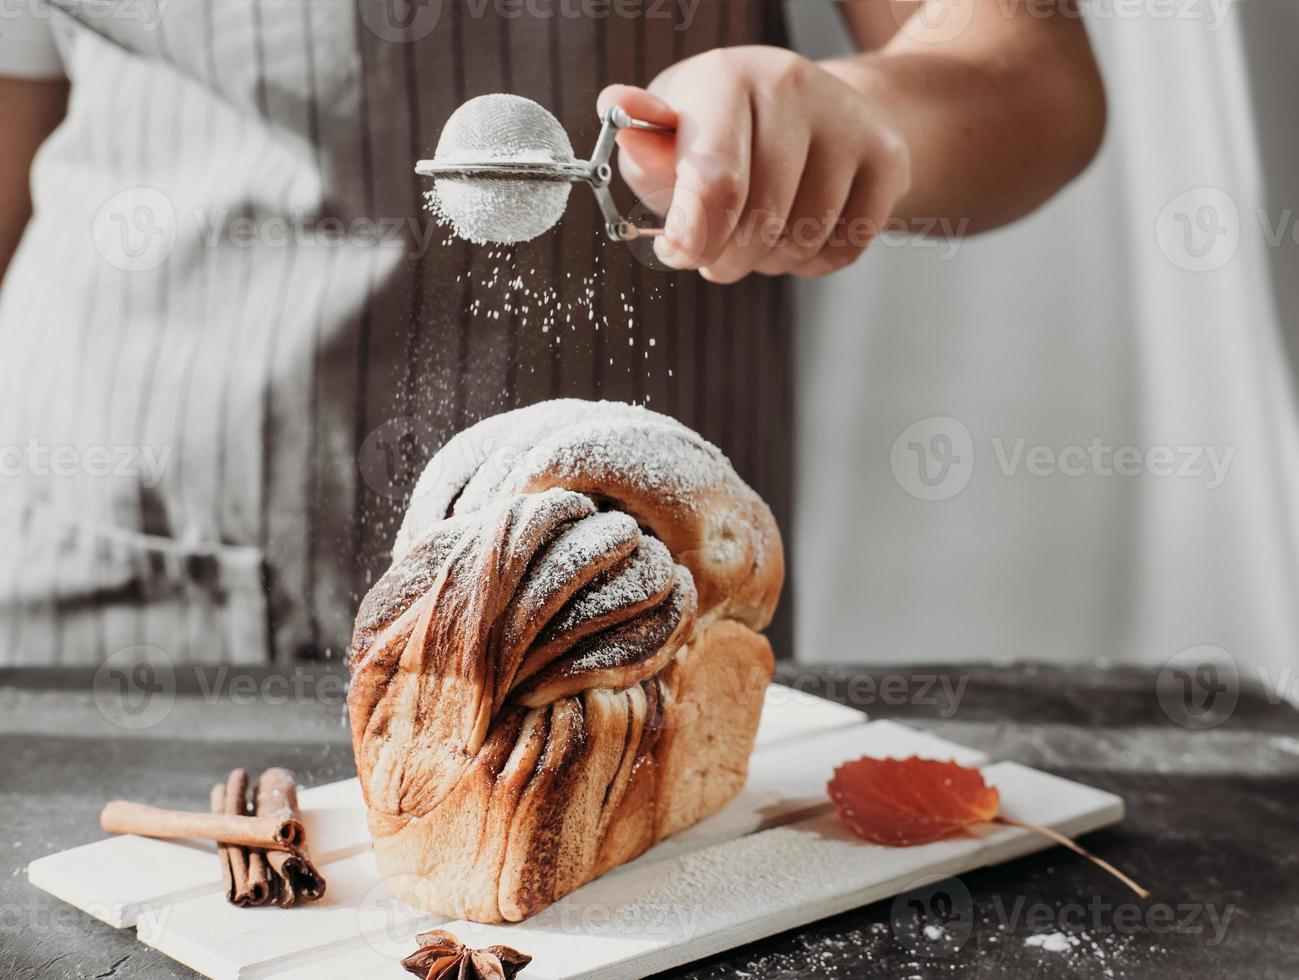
(504, 166)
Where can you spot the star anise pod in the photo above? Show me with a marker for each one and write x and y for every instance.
(441, 956)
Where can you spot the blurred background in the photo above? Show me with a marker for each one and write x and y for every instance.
(1071, 440)
(1152, 304)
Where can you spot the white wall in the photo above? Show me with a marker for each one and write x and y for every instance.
(1091, 320)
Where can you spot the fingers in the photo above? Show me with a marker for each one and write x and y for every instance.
(713, 160)
(876, 188)
(853, 229)
(776, 167)
(781, 144)
(639, 103)
(813, 217)
(647, 160)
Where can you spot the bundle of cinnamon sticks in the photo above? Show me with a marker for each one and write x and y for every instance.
(261, 842)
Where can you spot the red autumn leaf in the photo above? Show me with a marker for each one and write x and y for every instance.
(901, 802)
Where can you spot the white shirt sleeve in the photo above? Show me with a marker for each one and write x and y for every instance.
(27, 48)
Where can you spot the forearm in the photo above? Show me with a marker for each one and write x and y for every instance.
(995, 119)
(29, 111)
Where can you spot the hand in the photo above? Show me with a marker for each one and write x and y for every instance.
(777, 166)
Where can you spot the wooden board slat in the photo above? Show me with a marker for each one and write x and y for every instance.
(119, 878)
(225, 942)
(662, 914)
(115, 879)
(790, 714)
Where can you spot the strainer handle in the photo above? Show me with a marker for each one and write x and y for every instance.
(615, 119)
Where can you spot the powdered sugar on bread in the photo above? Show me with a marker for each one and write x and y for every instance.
(558, 564)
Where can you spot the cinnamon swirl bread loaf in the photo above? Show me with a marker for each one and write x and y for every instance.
(563, 664)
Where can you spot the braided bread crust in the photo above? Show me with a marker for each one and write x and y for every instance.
(562, 666)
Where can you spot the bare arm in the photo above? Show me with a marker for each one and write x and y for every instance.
(1000, 102)
(29, 112)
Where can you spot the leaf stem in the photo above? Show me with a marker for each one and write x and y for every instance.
(1064, 841)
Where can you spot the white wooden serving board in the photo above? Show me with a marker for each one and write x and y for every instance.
(775, 857)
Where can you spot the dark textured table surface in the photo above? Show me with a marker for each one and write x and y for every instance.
(1210, 827)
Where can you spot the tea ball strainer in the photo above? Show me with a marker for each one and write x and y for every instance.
(504, 166)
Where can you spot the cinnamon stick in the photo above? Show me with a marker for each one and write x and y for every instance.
(122, 817)
(251, 885)
(236, 805)
(277, 796)
(218, 805)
